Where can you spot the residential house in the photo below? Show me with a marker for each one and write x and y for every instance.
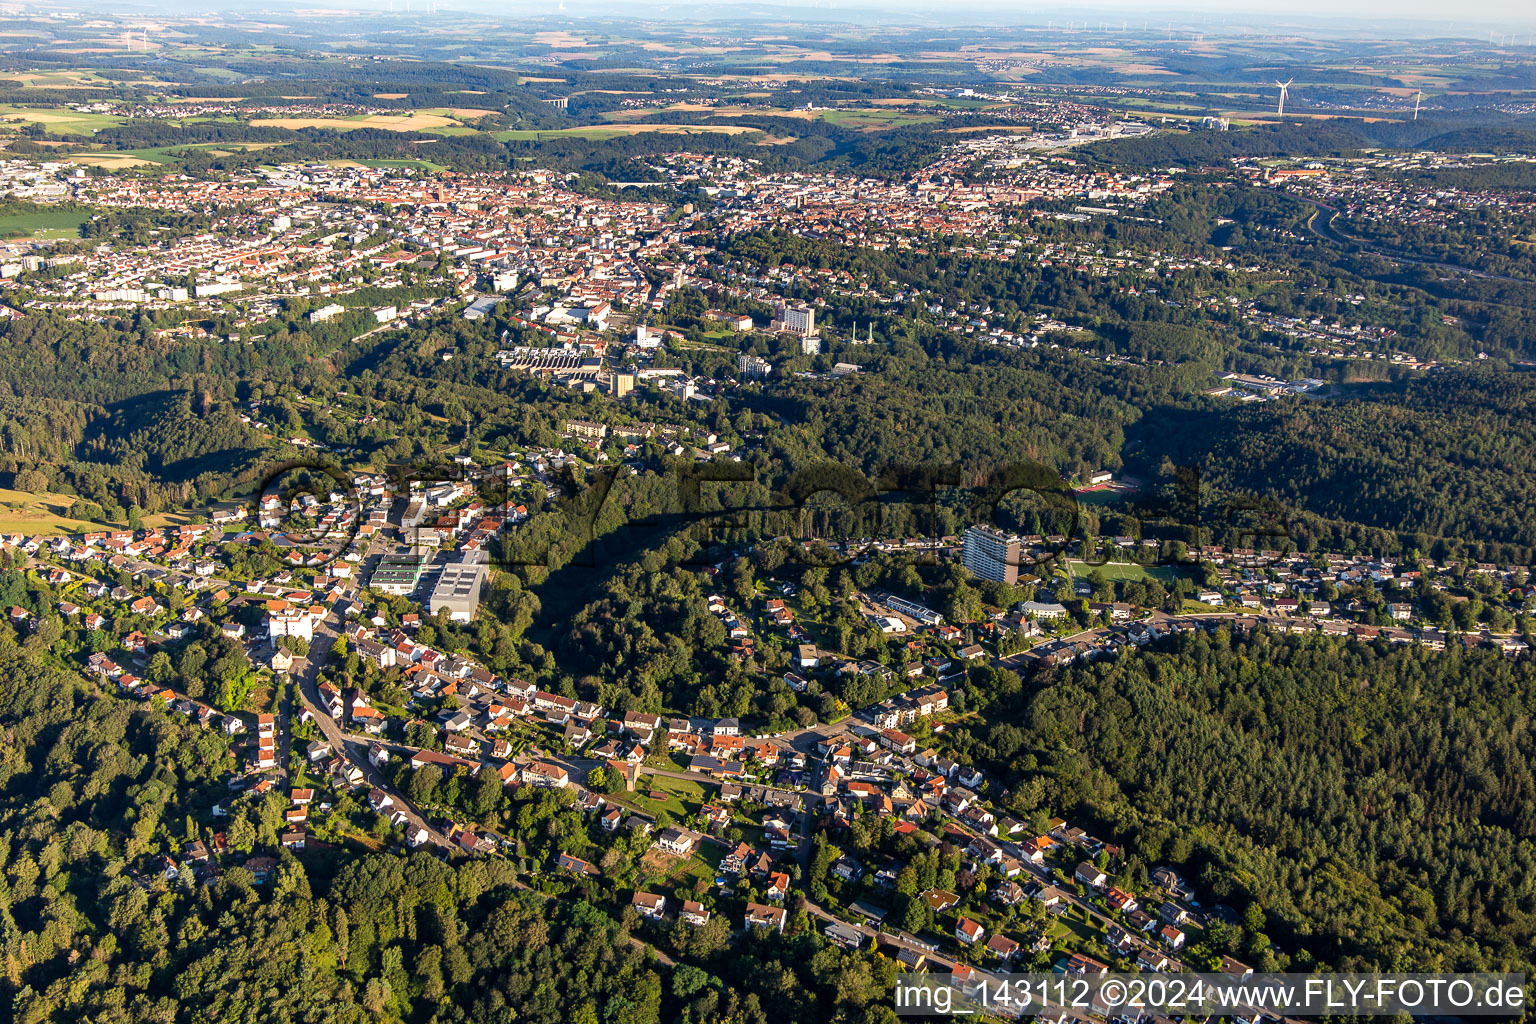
(650, 905)
(1089, 875)
(761, 916)
(968, 931)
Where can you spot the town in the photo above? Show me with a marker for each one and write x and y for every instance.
(836, 819)
(737, 517)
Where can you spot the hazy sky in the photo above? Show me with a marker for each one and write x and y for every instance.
(1516, 16)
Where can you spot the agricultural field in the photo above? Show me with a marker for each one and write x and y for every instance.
(54, 79)
(877, 119)
(410, 121)
(65, 121)
(619, 130)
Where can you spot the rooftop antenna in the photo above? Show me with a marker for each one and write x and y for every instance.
(1416, 100)
(1280, 110)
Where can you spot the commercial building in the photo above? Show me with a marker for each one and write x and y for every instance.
(912, 610)
(458, 590)
(398, 574)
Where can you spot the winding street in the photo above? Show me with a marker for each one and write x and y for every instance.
(305, 683)
(1327, 231)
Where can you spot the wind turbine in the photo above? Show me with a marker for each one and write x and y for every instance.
(1416, 100)
(1280, 110)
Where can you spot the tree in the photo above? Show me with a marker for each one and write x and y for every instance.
(242, 833)
(160, 671)
(423, 785)
(602, 779)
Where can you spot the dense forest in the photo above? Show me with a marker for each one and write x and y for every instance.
(1374, 803)
(1432, 458)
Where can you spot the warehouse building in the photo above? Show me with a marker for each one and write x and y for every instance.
(458, 590)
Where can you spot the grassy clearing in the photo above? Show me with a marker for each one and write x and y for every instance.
(420, 165)
(43, 224)
(1125, 571)
(163, 519)
(1190, 607)
(682, 797)
(680, 875)
(45, 514)
(875, 119)
(159, 156)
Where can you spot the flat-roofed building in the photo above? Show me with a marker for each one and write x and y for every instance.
(992, 554)
(398, 574)
(458, 590)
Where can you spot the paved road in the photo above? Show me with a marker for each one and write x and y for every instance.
(303, 685)
(306, 685)
(1321, 224)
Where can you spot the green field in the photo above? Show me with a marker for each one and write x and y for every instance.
(1191, 607)
(876, 118)
(616, 132)
(60, 120)
(683, 796)
(43, 224)
(1125, 571)
(39, 514)
(420, 165)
